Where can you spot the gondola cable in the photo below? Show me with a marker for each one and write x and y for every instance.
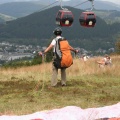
(86, 2)
(65, 17)
(48, 6)
(80, 3)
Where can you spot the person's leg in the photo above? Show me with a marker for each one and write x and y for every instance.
(54, 76)
(63, 76)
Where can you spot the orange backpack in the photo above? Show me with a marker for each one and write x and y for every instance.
(62, 56)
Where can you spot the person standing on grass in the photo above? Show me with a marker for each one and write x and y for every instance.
(85, 57)
(57, 32)
(106, 61)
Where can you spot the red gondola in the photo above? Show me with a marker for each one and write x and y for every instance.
(64, 18)
(87, 19)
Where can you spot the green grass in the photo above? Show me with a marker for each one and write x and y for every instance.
(26, 90)
(22, 96)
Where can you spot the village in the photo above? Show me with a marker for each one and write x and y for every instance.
(11, 51)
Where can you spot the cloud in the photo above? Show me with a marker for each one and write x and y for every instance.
(113, 1)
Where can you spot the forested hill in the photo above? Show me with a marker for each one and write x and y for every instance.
(40, 25)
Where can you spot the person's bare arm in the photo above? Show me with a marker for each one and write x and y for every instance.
(47, 49)
(101, 62)
(72, 49)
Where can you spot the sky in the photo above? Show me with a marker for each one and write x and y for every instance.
(114, 1)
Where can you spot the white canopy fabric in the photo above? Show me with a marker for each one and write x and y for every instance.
(70, 113)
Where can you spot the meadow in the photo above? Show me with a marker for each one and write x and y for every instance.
(26, 90)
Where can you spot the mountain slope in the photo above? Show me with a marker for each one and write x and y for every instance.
(98, 5)
(5, 18)
(110, 16)
(19, 9)
(37, 29)
(45, 21)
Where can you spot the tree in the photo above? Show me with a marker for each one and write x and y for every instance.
(37, 60)
(118, 46)
(49, 56)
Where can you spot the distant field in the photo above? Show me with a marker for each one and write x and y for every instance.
(109, 16)
(6, 17)
(26, 90)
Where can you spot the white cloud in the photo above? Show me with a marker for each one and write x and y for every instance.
(113, 1)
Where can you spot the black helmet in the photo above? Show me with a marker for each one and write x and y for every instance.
(57, 31)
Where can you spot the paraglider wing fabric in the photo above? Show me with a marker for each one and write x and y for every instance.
(72, 113)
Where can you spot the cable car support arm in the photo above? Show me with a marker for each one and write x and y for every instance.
(92, 4)
(61, 5)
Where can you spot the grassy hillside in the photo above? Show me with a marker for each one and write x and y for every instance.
(5, 18)
(26, 90)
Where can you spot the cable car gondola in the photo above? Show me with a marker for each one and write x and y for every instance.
(64, 18)
(87, 19)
